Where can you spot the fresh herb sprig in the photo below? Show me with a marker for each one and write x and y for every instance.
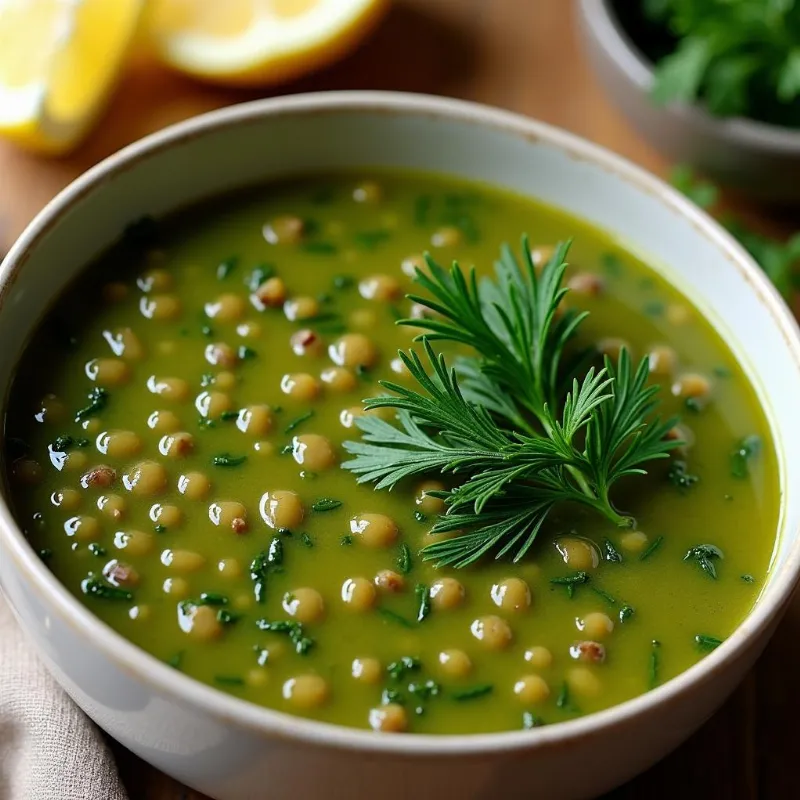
(514, 420)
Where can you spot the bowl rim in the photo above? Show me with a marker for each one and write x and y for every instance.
(158, 676)
(603, 24)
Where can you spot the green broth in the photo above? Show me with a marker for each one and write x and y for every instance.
(213, 250)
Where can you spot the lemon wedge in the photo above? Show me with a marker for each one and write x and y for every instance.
(59, 60)
(258, 42)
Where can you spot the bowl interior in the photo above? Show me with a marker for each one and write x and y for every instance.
(261, 141)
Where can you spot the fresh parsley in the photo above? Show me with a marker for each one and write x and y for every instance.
(739, 59)
(705, 555)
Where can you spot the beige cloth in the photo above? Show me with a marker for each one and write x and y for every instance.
(49, 750)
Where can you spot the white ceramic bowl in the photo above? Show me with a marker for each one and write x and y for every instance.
(231, 749)
(759, 159)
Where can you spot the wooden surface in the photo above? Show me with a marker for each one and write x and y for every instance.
(522, 55)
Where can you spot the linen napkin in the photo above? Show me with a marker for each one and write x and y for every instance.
(49, 750)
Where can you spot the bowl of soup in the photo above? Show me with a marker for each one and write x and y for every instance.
(394, 444)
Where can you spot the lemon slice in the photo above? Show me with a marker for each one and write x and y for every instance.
(259, 42)
(59, 60)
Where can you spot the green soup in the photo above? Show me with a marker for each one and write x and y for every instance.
(174, 442)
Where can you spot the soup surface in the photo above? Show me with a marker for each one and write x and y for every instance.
(175, 435)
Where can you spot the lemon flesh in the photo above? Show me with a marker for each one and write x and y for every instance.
(259, 42)
(59, 61)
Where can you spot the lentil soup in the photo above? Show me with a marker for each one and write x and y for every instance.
(176, 432)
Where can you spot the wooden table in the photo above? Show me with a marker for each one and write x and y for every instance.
(522, 55)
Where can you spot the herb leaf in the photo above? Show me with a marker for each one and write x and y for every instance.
(228, 460)
(294, 630)
(524, 438)
(747, 449)
(704, 555)
(679, 477)
(473, 693)
(404, 665)
(707, 643)
(404, 562)
(98, 400)
(325, 504)
(297, 421)
(423, 594)
(94, 587)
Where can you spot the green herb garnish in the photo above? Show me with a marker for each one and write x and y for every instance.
(530, 721)
(212, 599)
(422, 207)
(227, 617)
(571, 581)
(562, 701)
(227, 460)
(346, 540)
(94, 587)
(369, 240)
(320, 248)
(97, 550)
(391, 695)
(423, 594)
(260, 275)
(342, 282)
(707, 643)
(679, 477)
(306, 540)
(227, 266)
(610, 553)
(605, 595)
(159, 528)
(395, 617)
(652, 548)
(704, 555)
(494, 419)
(424, 691)
(98, 400)
(294, 630)
(259, 568)
(175, 661)
(62, 443)
(612, 264)
(693, 404)
(473, 693)
(654, 664)
(400, 668)
(747, 449)
(325, 504)
(229, 680)
(748, 578)
(404, 562)
(245, 353)
(45, 554)
(297, 421)
(625, 613)
(275, 553)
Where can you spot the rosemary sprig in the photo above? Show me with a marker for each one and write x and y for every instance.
(515, 420)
